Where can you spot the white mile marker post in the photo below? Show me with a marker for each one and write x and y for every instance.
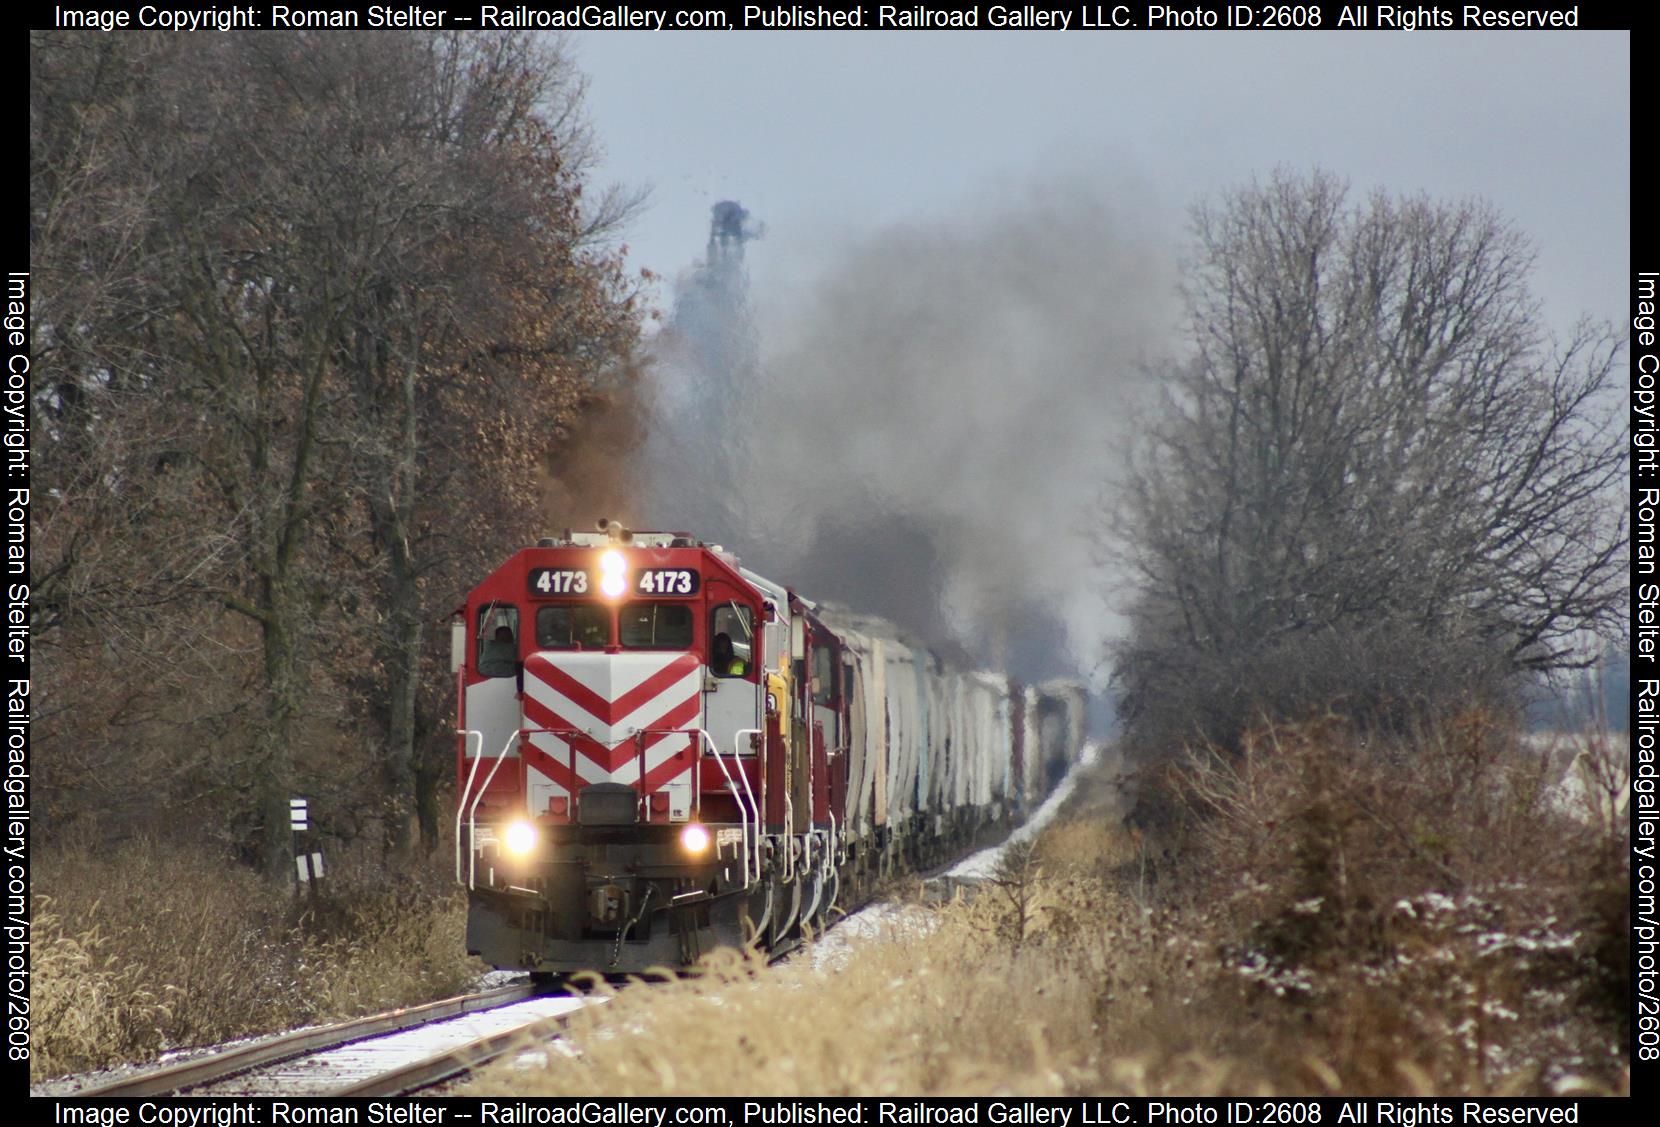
(308, 866)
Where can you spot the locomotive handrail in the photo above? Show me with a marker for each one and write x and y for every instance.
(754, 804)
(789, 844)
(754, 807)
(565, 734)
(472, 811)
(733, 787)
(465, 734)
(640, 742)
(642, 805)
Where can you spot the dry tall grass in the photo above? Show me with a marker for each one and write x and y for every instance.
(156, 948)
(1339, 919)
(951, 1011)
(1098, 994)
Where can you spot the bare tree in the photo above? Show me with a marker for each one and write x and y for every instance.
(1376, 479)
(314, 308)
(491, 315)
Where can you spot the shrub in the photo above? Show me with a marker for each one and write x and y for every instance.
(1418, 904)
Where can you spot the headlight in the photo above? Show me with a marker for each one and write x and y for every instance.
(613, 579)
(520, 837)
(694, 838)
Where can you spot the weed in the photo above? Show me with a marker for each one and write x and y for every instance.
(155, 948)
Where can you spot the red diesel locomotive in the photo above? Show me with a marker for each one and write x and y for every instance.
(660, 752)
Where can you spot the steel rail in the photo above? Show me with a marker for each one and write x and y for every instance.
(218, 1066)
(453, 1063)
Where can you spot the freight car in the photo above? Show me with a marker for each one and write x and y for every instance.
(660, 752)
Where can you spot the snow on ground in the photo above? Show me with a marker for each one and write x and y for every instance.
(496, 979)
(331, 1069)
(887, 920)
(882, 920)
(69, 1085)
(984, 864)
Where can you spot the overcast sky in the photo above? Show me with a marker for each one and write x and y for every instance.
(946, 211)
(831, 136)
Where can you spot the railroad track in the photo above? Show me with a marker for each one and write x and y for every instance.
(388, 1054)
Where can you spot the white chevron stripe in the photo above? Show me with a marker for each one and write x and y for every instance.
(648, 715)
(560, 752)
(610, 676)
(590, 772)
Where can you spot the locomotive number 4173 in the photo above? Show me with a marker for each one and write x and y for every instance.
(667, 581)
(558, 581)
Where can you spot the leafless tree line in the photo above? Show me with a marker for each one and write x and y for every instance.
(315, 314)
(1376, 483)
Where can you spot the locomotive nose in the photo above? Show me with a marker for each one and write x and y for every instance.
(610, 698)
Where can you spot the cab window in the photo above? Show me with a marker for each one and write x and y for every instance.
(576, 626)
(824, 672)
(731, 642)
(498, 640)
(655, 626)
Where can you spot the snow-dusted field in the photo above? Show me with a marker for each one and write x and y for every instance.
(983, 864)
(886, 920)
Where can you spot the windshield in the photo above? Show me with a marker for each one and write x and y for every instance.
(656, 626)
(574, 626)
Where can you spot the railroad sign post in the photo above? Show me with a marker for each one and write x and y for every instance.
(308, 863)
